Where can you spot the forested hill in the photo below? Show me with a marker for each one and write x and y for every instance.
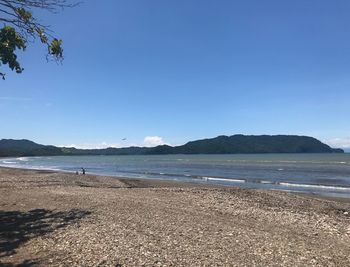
(17, 148)
(256, 144)
(235, 144)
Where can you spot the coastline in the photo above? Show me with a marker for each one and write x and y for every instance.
(321, 174)
(154, 182)
(58, 218)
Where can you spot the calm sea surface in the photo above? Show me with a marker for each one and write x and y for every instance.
(327, 174)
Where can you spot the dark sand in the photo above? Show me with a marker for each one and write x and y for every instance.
(60, 219)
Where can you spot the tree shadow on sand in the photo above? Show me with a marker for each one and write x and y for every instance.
(25, 263)
(18, 227)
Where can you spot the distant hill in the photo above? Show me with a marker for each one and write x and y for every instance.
(235, 144)
(18, 148)
(256, 144)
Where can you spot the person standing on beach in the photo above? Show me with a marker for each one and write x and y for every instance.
(83, 170)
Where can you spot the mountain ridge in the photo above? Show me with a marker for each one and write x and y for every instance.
(234, 144)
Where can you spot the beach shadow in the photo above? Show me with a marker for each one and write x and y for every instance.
(25, 263)
(17, 227)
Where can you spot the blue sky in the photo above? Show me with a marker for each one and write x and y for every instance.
(175, 71)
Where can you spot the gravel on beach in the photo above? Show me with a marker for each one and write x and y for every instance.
(61, 219)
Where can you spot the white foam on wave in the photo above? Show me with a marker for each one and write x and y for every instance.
(33, 167)
(22, 159)
(266, 182)
(8, 162)
(316, 186)
(224, 179)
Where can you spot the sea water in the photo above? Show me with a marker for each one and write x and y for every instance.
(324, 174)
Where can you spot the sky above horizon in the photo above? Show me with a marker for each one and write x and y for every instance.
(154, 72)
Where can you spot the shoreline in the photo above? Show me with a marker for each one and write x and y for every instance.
(50, 218)
(186, 183)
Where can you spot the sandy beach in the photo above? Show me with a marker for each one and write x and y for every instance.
(60, 219)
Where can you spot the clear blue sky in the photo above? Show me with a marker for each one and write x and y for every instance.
(183, 70)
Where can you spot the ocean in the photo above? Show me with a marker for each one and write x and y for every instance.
(322, 174)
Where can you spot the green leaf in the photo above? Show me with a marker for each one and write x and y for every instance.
(10, 41)
(25, 15)
(56, 49)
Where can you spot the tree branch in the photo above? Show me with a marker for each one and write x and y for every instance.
(21, 27)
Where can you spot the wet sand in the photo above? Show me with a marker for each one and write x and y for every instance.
(61, 219)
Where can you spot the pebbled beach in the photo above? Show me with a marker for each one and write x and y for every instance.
(62, 219)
